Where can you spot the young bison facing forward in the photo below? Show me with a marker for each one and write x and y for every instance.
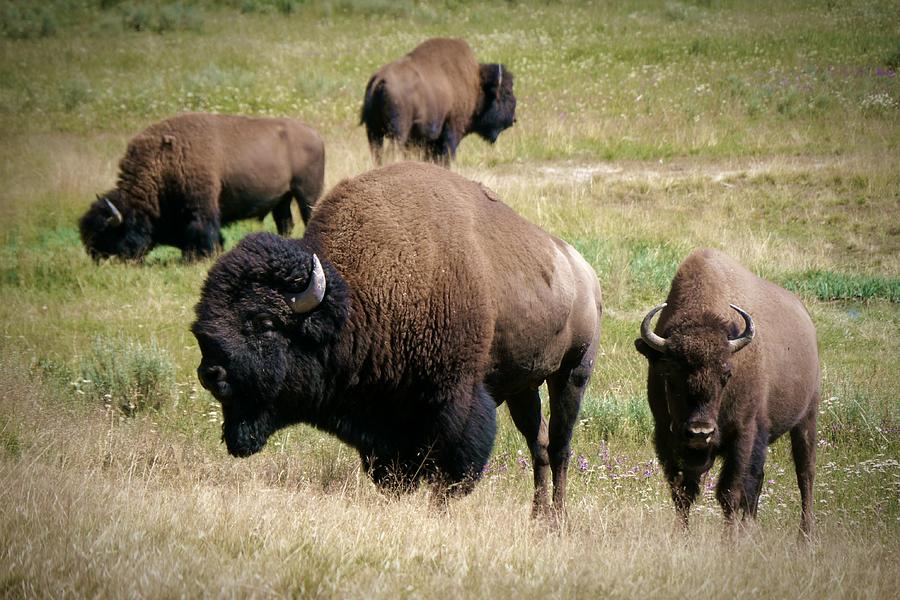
(716, 392)
(182, 179)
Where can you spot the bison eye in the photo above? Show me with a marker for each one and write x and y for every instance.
(263, 323)
(726, 373)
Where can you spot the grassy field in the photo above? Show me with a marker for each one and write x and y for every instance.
(644, 131)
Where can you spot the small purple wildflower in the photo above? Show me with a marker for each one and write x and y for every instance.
(582, 463)
(522, 462)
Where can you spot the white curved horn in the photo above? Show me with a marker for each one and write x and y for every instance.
(654, 341)
(749, 331)
(116, 215)
(311, 297)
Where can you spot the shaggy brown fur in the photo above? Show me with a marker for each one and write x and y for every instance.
(435, 95)
(183, 178)
(441, 302)
(740, 402)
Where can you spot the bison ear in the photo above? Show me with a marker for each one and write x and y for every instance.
(644, 348)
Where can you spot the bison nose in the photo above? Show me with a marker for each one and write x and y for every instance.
(699, 434)
(214, 379)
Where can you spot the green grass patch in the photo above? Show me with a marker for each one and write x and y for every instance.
(829, 285)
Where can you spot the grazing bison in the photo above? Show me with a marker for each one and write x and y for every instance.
(435, 95)
(183, 178)
(715, 391)
(415, 303)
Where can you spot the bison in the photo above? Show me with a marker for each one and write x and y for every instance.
(733, 365)
(183, 178)
(433, 97)
(415, 303)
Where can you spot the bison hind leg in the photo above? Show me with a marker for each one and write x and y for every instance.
(803, 449)
(284, 220)
(566, 388)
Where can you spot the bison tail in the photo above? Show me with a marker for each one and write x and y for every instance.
(380, 113)
(373, 98)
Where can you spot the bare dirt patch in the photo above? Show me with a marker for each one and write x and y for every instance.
(659, 173)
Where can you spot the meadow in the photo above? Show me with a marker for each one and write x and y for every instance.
(769, 130)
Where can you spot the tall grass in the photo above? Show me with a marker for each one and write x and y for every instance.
(644, 131)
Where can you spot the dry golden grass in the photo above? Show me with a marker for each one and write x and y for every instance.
(98, 507)
(644, 131)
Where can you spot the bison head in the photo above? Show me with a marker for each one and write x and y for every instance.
(111, 228)
(498, 109)
(690, 368)
(266, 320)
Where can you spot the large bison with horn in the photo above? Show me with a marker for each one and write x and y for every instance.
(733, 366)
(415, 303)
(434, 96)
(183, 178)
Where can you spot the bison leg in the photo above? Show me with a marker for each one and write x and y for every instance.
(730, 491)
(201, 239)
(376, 147)
(284, 220)
(566, 388)
(393, 476)
(803, 448)
(464, 451)
(684, 488)
(442, 149)
(525, 410)
(753, 479)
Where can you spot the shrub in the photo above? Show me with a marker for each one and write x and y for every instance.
(26, 21)
(160, 19)
(127, 374)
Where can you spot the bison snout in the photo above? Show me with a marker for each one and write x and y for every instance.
(214, 379)
(700, 434)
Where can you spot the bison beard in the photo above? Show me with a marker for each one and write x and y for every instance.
(391, 326)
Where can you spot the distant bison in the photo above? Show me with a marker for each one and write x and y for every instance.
(415, 303)
(709, 400)
(183, 178)
(435, 95)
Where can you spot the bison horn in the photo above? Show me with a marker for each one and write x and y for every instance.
(116, 217)
(654, 341)
(499, 76)
(746, 337)
(311, 297)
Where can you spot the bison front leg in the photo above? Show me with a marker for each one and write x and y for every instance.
(443, 149)
(525, 410)
(753, 479)
(684, 486)
(466, 431)
(730, 490)
(201, 239)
